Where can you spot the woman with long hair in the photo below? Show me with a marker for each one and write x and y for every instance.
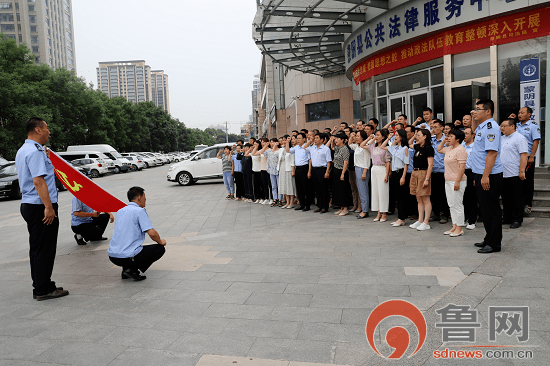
(399, 151)
(259, 194)
(287, 186)
(420, 185)
(380, 173)
(272, 153)
(227, 171)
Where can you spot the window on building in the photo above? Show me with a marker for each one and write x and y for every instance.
(20, 38)
(322, 111)
(46, 3)
(7, 27)
(409, 82)
(6, 6)
(34, 29)
(34, 39)
(32, 19)
(471, 65)
(37, 60)
(51, 61)
(7, 17)
(35, 49)
(69, 36)
(12, 36)
(32, 7)
(19, 27)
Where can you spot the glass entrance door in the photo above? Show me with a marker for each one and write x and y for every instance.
(417, 102)
(465, 97)
(398, 106)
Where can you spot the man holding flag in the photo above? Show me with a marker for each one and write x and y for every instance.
(39, 208)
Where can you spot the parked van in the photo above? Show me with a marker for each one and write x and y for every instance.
(121, 163)
(73, 155)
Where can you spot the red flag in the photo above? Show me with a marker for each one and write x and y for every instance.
(84, 188)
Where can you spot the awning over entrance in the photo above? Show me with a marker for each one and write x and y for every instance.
(308, 35)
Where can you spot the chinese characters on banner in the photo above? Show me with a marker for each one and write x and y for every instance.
(471, 37)
(530, 86)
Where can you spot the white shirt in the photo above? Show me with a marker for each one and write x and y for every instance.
(511, 148)
(361, 158)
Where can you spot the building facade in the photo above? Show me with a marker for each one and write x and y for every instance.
(135, 81)
(398, 57)
(45, 26)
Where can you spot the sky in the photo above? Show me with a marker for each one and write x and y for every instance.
(205, 48)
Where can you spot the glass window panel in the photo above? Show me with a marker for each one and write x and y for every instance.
(6, 6)
(382, 112)
(319, 111)
(32, 18)
(438, 100)
(437, 75)
(471, 65)
(382, 88)
(409, 82)
(7, 27)
(8, 17)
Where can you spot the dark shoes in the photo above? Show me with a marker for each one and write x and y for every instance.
(300, 208)
(305, 209)
(324, 211)
(79, 241)
(480, 245)
(362, 217)
(128, 273)
(443, 219)
(59, 292)
(515, 225)
(488, 249)
(317, 210)
(99, 239)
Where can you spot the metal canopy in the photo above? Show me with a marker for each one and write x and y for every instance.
(308, 35)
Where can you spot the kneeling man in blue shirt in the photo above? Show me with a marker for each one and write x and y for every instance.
(126, 249)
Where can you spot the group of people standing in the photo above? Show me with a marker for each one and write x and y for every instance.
(426, 171)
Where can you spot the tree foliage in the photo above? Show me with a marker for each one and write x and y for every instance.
(77, 114)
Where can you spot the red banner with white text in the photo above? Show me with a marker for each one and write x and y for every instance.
(84, 188)
(474, 36)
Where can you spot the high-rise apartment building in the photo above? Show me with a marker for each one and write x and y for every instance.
(135, 81)
(46, 27)
(159, 87)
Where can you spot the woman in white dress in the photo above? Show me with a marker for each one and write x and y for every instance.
(287, 186)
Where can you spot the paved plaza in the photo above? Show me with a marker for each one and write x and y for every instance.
(247, 285)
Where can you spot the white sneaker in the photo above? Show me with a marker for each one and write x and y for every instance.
(414, 225)
(265, 202)
(257, 201)
(471, 226)
(270, 202)
(423, 227)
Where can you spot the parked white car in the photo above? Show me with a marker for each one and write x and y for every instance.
(136, 161)
(204, 165)
(97, 166)
(149, 159)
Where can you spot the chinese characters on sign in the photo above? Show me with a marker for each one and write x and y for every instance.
(530, 86)
(459, 322)
(505, 29)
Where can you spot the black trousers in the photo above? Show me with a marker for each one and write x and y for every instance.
(470, 199)
(394, 186)
(529, 184)
(402, 193)
(93, 230)
(303, 186)
(489, 206)
(42, 246)
(438, 197)
(410, 200)
(266, 184)
(239, 182)
(512, 201)
(248, 191)
(257, 182)
(320, 184)
(143, 260)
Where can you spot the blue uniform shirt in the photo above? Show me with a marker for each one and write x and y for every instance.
(439, 164)
(79, 206)
(468, 151)
(511, 149)
(131, 224)
(530, 130)
(320, 156)
(238, 163)
(301, 155)
(487, 139)
(31, 162)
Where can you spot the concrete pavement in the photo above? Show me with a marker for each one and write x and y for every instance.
(254, 285)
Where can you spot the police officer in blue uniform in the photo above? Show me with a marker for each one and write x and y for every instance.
(39, 208)
(531, 131)
(487, 169)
